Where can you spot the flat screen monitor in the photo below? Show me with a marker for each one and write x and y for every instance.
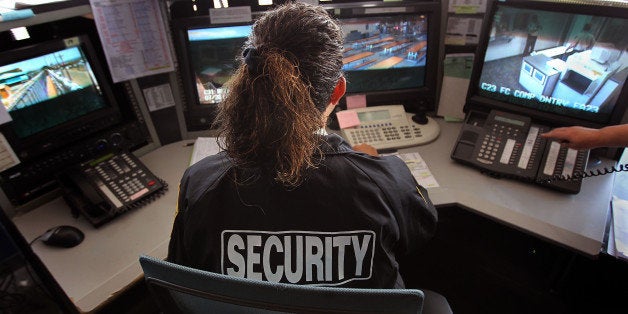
(563, 63)
(391, 51)
(391, 56)
(54, 93)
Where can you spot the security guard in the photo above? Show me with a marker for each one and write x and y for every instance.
(285, 202)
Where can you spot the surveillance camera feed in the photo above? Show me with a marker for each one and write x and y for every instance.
(211, 55)
(380, 53)
(564, 63)
(47, 90)
(385, 52)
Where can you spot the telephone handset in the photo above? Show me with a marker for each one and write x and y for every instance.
(387, 127)
(509, 145)
(105, 187)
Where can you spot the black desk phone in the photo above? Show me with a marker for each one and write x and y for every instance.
(509, 145)
(105, 187)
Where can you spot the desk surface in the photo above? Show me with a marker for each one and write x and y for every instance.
(107, 261)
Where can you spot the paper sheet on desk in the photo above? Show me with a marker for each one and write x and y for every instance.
(203, 147)
(620, 228)
(419, 169)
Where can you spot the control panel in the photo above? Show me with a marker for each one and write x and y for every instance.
(34, 177)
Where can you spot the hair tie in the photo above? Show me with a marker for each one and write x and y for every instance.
(252, 59)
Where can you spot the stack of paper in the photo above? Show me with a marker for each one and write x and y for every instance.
(419, 169)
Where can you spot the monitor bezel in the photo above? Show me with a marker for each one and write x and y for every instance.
(475, 101)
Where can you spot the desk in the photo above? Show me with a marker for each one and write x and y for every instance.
(107, 261)
(576, 221)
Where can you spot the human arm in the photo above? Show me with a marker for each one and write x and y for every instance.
(578, 137)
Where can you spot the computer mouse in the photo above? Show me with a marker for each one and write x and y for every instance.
(63, 236)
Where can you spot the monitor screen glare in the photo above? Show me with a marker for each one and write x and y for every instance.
(384, 53)
(212, 57)
(564, 63)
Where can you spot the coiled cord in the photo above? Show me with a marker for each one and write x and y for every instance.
(585, 174)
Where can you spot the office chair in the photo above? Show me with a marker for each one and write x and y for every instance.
(180, 289)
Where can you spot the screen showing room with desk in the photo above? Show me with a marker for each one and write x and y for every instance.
(385, 52)
(569, 64)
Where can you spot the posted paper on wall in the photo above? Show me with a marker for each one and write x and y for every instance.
(457, 72)
(158, 97)
(133, 37)
(463, 30)
(467, 6)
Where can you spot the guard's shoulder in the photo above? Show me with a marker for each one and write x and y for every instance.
(205, 173)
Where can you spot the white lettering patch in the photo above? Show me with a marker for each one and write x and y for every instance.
(299, 257)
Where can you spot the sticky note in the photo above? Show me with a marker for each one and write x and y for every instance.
(347, 118)
(356, 101)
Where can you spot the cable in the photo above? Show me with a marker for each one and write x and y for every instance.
(579, 175)
(33, 241)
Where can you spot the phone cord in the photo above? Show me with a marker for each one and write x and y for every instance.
(585, 174)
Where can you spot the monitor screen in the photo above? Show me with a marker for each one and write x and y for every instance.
(55, 93)
(391, 55)
(391, 51)
(384, 52)
(212, 54)
(559, 59)
(207, 59)
(49, 89)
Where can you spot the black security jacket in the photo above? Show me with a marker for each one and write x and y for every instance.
(343, 226)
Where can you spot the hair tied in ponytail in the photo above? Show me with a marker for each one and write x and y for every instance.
(252, 59)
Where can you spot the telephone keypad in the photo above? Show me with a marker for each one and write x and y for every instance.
(125, 178)
(489, 148)
(492, 144)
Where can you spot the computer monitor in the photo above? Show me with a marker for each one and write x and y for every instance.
(391, 51)
(207, 59)
(59, 109)
(207, 55)
(399, 69)
(54, 93)
(560, 63)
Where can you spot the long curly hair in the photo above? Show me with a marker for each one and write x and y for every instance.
(290, 66)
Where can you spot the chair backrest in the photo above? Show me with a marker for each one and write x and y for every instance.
(180, 289)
